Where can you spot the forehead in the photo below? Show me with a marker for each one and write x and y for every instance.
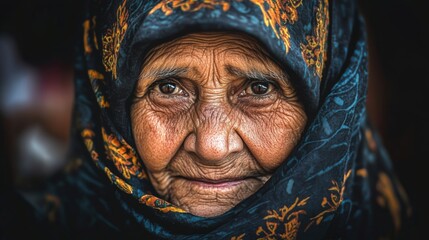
(218, 47)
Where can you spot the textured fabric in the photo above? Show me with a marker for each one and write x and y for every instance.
(338, 183)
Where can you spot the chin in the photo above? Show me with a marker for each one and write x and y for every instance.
(209, 211)
(208, 198)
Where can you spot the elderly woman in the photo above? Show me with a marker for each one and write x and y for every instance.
(224, 120)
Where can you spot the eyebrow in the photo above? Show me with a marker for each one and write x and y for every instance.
(256, 74)
(162, 73)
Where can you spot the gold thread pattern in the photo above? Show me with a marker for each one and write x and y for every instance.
(283, 224)
(113, 38)
(121, 184)
(86, 46)
(168, 6)
(87, 135)
(160, 204)
(239, 237)
(314, 51)
(335, 200)
(362, 173)
(123, 156)
(87, 29)
(387, 197)
(96, 80)
(277, 15)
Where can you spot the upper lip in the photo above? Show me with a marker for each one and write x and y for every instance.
(216, 181)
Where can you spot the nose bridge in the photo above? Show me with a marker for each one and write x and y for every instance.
(212, 115)
(214, 129)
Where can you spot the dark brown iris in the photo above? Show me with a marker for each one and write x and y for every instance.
(167, 88)
(260, 87)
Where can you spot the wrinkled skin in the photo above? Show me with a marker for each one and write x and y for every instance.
(213, 117)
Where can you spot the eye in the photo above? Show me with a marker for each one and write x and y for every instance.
(167, 88)
(258, 88)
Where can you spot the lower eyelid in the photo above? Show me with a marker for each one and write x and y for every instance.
(168, 97)
(262, 99)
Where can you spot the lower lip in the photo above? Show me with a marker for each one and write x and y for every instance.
(226, 184)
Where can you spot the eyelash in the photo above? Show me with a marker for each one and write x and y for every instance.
(249, 82)
(157, 83)
(273, 92)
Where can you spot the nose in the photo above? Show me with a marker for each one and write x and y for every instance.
(214, 137)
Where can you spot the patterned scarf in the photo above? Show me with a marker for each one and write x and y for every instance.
(337, 183)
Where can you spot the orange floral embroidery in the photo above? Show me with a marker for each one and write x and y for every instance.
(87, 135)
(240, 237)
(289, 217)
(121, 184)
(93, 74)
(277, 14)
(337, 192)
(86, 46)
(123, 155)
(387, 196)
(87, 28)
(168, 6)
(314, 51)
(96, 80)
(159, 204)
(113, 38)
(362, 172)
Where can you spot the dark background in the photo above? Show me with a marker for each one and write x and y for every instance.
(44, 32)
(398, 92)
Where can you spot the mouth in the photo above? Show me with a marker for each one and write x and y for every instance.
(223, 183)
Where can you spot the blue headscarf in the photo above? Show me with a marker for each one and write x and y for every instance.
(337, 183)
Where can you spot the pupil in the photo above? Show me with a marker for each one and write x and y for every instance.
(259, 88)
(167, 88)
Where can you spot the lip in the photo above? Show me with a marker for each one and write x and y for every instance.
(216, 183)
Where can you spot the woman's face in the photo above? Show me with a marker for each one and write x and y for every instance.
(213, 117)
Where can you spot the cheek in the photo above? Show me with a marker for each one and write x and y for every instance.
(158, 135)
(271, 136)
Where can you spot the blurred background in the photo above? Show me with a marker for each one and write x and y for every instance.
(36, 88)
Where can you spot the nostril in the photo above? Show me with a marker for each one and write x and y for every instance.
(212, 146)
(190, 143)
(235, 143)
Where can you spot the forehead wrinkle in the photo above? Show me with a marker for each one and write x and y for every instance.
(210, 70)
(161, 73)
(239, 49)
(169, 50)
(207, 42)
(199, 62)
(249, 56)
(252, 63)
(189, 51)
(248, 43)
(254, 73)
(210, 39)
(169, 64)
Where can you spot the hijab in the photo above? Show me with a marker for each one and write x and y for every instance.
(337, 183)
